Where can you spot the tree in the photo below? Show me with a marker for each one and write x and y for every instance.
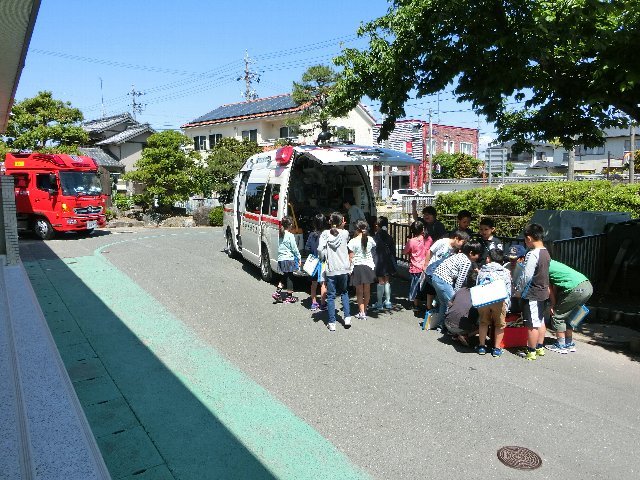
(225, 161)
(166, 168)
(538, 69)
(45, 124)
(314, 92)
(455, 165)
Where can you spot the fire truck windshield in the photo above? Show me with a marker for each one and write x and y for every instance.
(80, 183)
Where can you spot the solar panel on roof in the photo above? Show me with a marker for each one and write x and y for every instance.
(248, 108)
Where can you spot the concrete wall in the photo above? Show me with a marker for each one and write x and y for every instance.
(8, 223)
(43, 430)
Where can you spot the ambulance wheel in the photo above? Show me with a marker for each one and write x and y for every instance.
(43, 229)
(231, 250)
(265, 265)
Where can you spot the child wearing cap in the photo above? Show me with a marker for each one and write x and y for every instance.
(515, 255)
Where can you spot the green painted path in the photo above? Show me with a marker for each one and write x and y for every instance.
(161, 402)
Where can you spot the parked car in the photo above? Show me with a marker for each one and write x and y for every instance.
(399, 194)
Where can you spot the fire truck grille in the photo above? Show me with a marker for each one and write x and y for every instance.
(87, 210)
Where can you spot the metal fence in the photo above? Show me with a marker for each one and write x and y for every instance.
(584, 254)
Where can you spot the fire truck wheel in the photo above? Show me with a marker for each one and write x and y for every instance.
(265, 265)
(43, 228)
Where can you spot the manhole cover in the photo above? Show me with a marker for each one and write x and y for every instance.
(519, 457)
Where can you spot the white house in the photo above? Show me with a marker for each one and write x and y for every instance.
(547, 158)
(265, 121)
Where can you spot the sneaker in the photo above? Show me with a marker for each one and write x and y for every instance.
(276, 296)
(376, 307)
(481, 350)
(331, 326)
(323, 308)
(529, 355)
(361, 316)
(496, 352)
(571, 346)
(540, 352)
(291, 299)
(556, 347)
(315, 307)
(388, 305)
(347, 322)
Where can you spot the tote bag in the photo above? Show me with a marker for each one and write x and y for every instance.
(488, 293)
(310, 264)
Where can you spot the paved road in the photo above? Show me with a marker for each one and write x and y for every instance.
(187, 370)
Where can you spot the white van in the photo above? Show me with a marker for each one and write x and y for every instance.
(301, 182)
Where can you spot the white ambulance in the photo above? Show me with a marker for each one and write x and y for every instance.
(298, 181)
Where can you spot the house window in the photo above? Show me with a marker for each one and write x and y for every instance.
(288, 132)
(540, 156)
(214, 139)
(627, 144)
(449, 146)
(200, 142)
(593, 150)
(251, 135)
(466, 147)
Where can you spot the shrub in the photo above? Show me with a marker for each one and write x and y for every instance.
(110, 214)
(201, 216)
(215, 216)
(518, 202)
(122, 202)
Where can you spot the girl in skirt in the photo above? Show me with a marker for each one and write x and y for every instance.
(288, 261)
(363, 275)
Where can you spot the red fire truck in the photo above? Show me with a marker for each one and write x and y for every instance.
(56, 193)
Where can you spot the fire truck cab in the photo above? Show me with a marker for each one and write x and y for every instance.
(56, 193)
(301, 182)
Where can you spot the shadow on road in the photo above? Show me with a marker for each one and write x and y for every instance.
(146, 421)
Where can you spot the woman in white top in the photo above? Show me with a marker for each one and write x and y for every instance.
(363, 275)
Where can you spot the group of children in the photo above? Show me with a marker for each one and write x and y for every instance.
(445, 269)
(355, 259)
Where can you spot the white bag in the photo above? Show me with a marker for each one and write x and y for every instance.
(488, 293)
(310, 264)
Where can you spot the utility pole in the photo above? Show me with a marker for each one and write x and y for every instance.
(430, 171)
(632, 156)
(101, 97)
(136, 107)
(571, 164)
(248, 77)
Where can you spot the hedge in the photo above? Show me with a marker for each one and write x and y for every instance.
(521, 201)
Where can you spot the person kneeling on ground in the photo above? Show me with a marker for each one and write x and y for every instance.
(461, 319)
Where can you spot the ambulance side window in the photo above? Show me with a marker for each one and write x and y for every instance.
(253, 200)
(266, 200)
(274, 197)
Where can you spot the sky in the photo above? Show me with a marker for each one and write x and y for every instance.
(186, 57)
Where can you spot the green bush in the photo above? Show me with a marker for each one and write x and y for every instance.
(512, 206)
(110, 214)
(202, 216)
(215, 217)
(122, 202)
